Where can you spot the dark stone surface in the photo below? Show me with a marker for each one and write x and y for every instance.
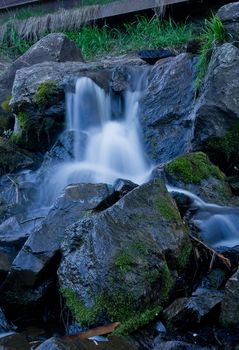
(185, 313)
(152, 56)
(166, 107)
(14, 341)
(218, 108)
(35, 266)
(229, 15)
(229, 316)
(179, 345)
(114, 251)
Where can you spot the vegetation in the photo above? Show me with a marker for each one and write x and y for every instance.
(5, 104)
(193, 168)
(44, 93)
(213, 33)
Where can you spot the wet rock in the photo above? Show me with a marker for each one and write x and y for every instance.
(229, 316)
(217, 110)
(229, 15)
(166, 107)
(179, 345)
(13, 158)
(188, 312)
(123, 186)
(14, 341)
(114, 343)
(5, 326)
(125, 258)
(120, 80)
(34, 268)
(152, 56)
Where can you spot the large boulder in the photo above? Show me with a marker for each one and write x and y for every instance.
(217, 111)
(14, 341)
(166, 108)
(229, 15)
(120, 265)
(34, 268)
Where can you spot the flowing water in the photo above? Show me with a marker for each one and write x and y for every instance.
(107, 144)
(218, 225)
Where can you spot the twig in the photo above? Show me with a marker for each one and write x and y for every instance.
(212, 252)
(16, 187)
(109, 328)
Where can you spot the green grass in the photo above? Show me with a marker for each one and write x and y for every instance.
(142, 33)
(212, 34)
(132, 36)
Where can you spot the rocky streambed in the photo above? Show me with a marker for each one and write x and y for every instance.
(160, 256)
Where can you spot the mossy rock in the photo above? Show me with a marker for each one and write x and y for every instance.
(125, 259)
(46, 94)
(192, 168)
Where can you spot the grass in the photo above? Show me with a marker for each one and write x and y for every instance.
(142, 33)
(94, 41)
(212, 34)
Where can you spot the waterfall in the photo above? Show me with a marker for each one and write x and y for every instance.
(107, 143)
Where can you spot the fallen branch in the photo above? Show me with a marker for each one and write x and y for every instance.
(16, 187)
(109, 328)
(215, 257)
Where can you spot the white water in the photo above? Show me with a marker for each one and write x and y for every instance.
(112, 148)
(218, 225)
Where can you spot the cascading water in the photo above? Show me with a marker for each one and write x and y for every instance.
(218, 225)
(105, 147)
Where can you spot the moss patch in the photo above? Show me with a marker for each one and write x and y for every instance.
(6, 104)
(193, 168)
(44, 93)
(124, 261)
(185, 251)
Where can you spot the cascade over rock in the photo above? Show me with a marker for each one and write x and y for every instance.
(128, 255)
(166, 107)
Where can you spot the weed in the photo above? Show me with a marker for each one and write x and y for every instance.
(213, 33)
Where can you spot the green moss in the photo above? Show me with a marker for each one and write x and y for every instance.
(167, 282)
(193, 168)
(23, 119)
(44, 93)
(141, 247)
(124, 261)
(185, 251)
(6, 105)
(152, 276)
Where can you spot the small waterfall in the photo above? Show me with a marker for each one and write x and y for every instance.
(111, 148)
(218, 225)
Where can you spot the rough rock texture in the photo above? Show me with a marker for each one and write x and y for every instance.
(14, 341)
(113, 343)
(34, 268)
(229, 15)
(121, 259)
(188, 312)
(54, 47)
(166, 108)
(230, 304)
(152, 56)
(218, 108)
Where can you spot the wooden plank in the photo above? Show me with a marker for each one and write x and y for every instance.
(5, 4)
(115, 8)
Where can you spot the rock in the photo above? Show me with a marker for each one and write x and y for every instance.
(13, 158)
(179, 345)
(229, 316)
(193, 46)
(152, 56)
(5, 326)
(14, 341)
(194, 172)
(55, 47)
(217, 111)
(34, 268)
(124, 259)
(229, 15)
(188, 312)
(166, 107)
(113, 343)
